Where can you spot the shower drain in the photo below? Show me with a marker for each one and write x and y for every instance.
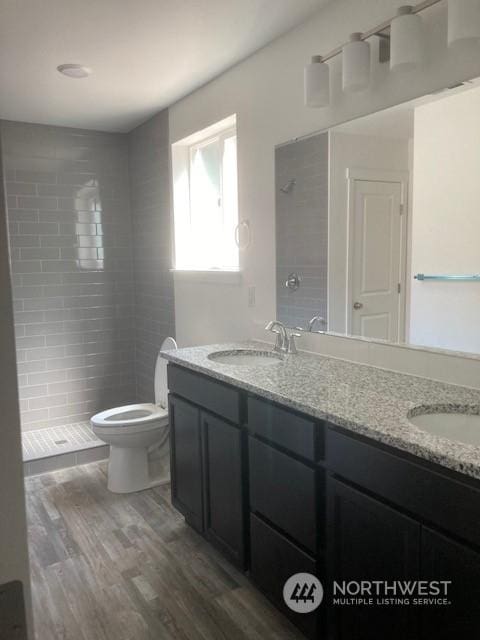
(60, 442)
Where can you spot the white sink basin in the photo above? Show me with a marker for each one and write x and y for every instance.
(457, 426)
(246, 357)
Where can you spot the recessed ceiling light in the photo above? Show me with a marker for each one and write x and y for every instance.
(74, 70)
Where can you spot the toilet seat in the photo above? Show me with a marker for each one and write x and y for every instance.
(131, 418)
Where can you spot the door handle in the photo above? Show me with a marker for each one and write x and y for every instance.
(357, 305)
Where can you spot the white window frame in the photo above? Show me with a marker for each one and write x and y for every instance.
(220, 138)
(182, 157)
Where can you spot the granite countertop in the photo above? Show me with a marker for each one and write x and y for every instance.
(364, 399)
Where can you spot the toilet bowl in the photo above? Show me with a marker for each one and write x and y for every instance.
(138, 435)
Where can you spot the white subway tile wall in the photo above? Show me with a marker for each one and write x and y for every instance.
(150, 203)
(72, 262)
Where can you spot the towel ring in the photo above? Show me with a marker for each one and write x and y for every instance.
(246, 225)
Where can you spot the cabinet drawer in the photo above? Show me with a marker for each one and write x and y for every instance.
(215, 396)
(273, 560)
(429, 495)
(283, 490)
(289, 430)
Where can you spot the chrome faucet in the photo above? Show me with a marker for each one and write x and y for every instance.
(278, 328)
(285, 342)
(292, 347)
(315, 319)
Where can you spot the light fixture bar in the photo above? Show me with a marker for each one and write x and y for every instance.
(380, 28)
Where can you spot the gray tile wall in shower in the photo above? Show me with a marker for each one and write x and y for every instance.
(150, 206)
(302, 229)
(71, 257)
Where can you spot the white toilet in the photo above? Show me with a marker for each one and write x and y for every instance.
(138, 435)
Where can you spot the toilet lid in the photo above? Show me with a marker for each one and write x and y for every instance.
(161, 387)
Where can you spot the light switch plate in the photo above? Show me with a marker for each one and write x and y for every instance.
(251, 296)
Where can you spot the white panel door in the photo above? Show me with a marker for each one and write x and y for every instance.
(376, 260)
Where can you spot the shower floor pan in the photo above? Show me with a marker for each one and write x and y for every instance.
(59, 447)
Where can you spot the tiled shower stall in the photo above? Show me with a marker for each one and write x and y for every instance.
(89, 234)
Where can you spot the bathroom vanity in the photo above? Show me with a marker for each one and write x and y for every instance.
(311, 464)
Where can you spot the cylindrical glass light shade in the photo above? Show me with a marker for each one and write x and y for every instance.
(406, 39)
(463, 21)
(356, 64)
(317, 83)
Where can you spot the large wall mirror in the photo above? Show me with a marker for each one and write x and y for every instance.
(378, 225)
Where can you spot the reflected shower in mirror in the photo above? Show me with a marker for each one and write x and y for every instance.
(378, 225)
(301, 173)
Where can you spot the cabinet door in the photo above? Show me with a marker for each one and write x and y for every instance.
(186, 461)
(369, 541)
(224, 492)
(443, 559)
(273, 560)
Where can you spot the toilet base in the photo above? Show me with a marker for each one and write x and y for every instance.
(159, 468)
(134, 469)
(128, 469)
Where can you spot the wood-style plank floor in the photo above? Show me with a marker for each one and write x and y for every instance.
(127, 567)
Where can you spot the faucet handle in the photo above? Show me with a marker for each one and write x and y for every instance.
(271, 327)
(292, 347)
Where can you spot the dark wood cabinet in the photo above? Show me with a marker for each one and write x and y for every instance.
(431, 493)
(280, 493)
(224, 486)
(283, 490)
(273, 560)
(369, 541)
(290, 431)
(443, 559)
(186, 461)
(207, 471)
(217, 397)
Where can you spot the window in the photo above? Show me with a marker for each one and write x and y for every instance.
(89, 230)
(206, 200)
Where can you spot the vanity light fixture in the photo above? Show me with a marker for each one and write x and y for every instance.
(356, 64)
(400, 42)
(405, 39)
(317, 83)
(463, 21)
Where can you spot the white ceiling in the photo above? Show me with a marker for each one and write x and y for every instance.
(145, 54)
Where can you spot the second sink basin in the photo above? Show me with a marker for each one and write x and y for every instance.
(453, 425)
(246, 357)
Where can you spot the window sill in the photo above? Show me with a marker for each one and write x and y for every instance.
(207, 277)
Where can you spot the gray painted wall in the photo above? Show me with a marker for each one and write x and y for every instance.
(302, 229)
(150, 205)
(80, 326)
(13, 537)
